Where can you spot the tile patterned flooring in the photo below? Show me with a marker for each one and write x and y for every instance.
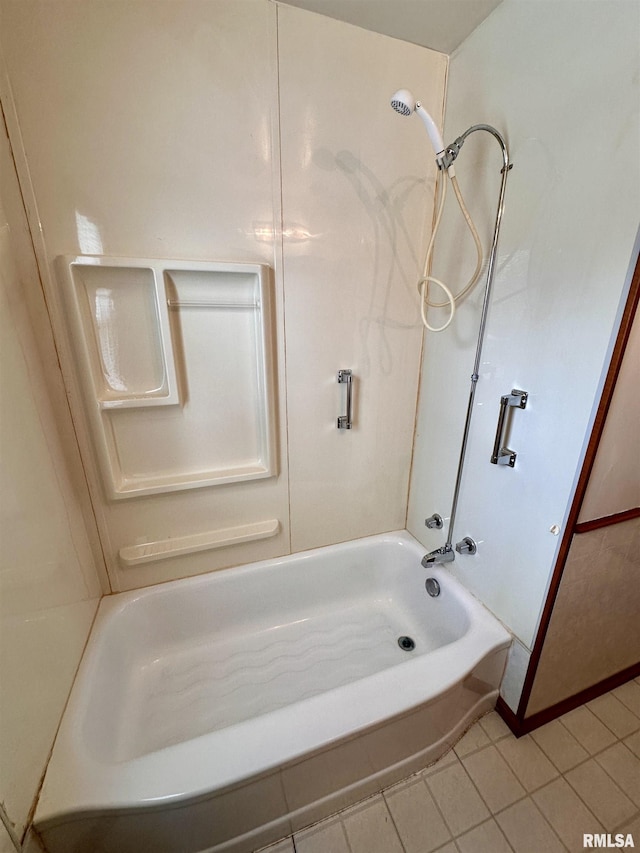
(493, 793)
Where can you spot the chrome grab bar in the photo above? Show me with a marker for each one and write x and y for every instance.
(346, 377)
(501, 455)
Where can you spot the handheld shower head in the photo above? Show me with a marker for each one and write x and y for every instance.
(404, 103)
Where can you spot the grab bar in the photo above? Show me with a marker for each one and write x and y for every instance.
(346, 376)
(502, 455)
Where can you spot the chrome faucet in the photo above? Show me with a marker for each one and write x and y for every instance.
(445, 554)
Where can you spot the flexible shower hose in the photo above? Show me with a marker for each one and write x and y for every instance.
(452, 300)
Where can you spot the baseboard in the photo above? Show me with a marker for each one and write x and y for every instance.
(522, 726)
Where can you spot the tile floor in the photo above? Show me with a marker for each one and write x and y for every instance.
(493, 793)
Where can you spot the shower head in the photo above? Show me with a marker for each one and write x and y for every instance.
(404, 103)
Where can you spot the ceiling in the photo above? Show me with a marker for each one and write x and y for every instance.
(439, 24)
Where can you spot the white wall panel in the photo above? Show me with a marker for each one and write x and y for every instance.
(150, 133)
(563, 90)
(149, 130)
(49, 585)
(357, 192)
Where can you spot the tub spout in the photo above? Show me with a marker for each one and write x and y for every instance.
(441, 555)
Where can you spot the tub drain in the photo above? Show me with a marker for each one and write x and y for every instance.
(406, 644)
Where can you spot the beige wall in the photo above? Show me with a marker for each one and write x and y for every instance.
(593, 632)
(140, 131)
(255, 133)
(49, 577)
(360, 180)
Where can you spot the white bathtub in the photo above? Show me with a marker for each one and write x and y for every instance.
(222, 712)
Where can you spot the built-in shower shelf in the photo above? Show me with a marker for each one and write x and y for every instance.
(245, 305)
(135, 555)
(175, 363)
(123, 330)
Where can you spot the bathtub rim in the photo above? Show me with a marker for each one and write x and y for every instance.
(77, 782)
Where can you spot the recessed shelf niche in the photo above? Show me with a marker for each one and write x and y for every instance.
(175, 362)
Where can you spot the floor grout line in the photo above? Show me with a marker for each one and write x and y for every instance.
(437, 807)
(345, 835)
(527, 795)
(489, 819)
(393, 822)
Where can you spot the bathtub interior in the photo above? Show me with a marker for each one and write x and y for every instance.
(188, 658)
(219, 713)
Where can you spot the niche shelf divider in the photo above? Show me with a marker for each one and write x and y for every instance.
(175, 362)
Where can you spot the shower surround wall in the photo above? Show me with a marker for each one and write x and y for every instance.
(564, 93)
(362, 190)
(51, 565)
(253, 133)
(139, 130)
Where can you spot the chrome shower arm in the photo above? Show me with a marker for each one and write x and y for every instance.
(451, 151)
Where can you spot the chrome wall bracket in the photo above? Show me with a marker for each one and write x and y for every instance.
(450, 153)
(345, 421)
(502, 455)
